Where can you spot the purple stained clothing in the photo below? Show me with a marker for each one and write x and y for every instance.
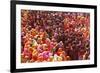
(60, 44)
(55, 35)
(46, 54)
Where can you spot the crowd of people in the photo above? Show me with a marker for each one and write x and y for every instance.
(49, 36)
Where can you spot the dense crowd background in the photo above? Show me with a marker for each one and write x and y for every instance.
(49, 36)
